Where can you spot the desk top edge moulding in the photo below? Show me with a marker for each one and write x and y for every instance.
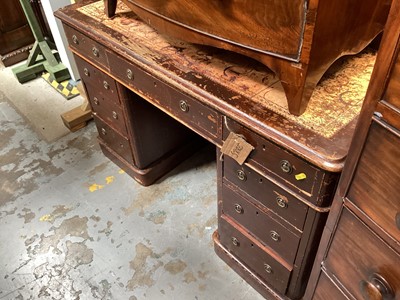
(298, 40)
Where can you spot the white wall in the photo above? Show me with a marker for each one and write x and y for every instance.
(49, 7)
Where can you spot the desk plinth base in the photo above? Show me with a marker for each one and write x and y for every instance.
(158, 168)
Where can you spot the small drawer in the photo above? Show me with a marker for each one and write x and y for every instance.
(114, 140)
(278, 161)
(86, 47)
(261, 224)
(195, 115)
(392, 95)
(361, 261)
(265, 192)
(376, 184)
(327, 289)
(107, 110)
(104, 85)
(254, 255)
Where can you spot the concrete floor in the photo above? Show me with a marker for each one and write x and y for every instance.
(75, 226)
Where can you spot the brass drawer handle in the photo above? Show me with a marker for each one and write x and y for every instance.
(103, 131)
(286, 166)
(183, 106)
(96, 101)
(376, 288)
(115, 115)
(275, 236)
(86, 72)
(238, 208)
(281, 202)
(75, 40)
(241, 175)
(95, 52)
(129, 74)
(268, 268)
(235, 242)
(106, 85)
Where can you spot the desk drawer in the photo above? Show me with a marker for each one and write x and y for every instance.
(114, 140)
(376, 183)
(87, 47)
(278, 161)
(107, 110)
(258, 258)
(265, 192)
(189, 111)
(260, 223)
(356, 254)
(105, 86)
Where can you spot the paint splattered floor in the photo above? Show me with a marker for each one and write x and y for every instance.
(75, 226)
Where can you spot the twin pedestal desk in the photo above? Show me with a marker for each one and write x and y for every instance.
(152, 97)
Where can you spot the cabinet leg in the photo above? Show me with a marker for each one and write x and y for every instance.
(298, 85)
(109, 7)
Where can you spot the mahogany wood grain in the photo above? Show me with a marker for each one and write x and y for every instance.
(360, 243)
(327, 289)
(375, 188)
(298, 40)
(353, 257)
(392, 94)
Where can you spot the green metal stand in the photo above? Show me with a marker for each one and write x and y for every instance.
(41, 57)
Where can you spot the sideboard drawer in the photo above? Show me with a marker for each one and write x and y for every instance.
(86, 47)
(254, 255)
(104, 84)
(266, 192)
(327, 289)
(261, 224)
(376, 184)
(187, 110)
(114, 140)
(280, 162)
(357, 256)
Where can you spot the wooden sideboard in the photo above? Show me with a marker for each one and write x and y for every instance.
(16, 37)
(359, 256)
(297, 39)
(153, 95)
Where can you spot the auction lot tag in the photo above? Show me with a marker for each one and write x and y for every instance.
(236, 147)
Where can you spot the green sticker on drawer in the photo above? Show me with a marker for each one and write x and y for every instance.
(300, 176)
(235, 146)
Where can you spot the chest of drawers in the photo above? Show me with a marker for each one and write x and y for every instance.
(297, 39)
(151, 95)
(360, 251)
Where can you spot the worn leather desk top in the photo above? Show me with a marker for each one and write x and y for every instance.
(237, 86)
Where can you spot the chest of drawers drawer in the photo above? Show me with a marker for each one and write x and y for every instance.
(267, 193)
(261, 223)
(361, 261)
(187, 110)
(266, 264)
(327, 289)
(376, 184)
(304, 178)
(86, 46)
